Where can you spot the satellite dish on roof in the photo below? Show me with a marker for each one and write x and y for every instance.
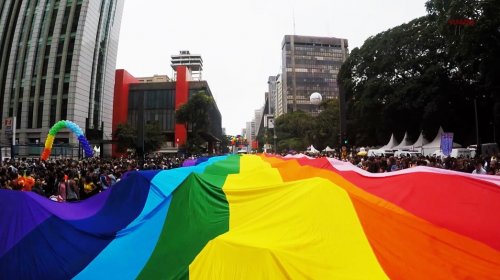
(315, 98)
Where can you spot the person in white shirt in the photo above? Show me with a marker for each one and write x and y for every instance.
(479, 168)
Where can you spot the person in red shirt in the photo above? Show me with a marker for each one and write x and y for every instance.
(61, 189)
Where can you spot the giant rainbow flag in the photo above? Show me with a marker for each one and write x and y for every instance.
(260, 217)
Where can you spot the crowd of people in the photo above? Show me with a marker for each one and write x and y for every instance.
(73, 180)
(488, 165)
(380, 164)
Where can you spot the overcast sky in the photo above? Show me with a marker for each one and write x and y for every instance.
(240, 41)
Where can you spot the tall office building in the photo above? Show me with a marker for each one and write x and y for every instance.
(250, 132)
(257, 120)
(280, 98)
(310, 64)
(57, 61)
(272, 85)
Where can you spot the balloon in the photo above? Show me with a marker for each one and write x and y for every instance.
(75, 129)
(49, 141)
(45, 154)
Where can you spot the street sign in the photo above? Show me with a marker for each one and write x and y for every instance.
(269, 121)
(8, 124)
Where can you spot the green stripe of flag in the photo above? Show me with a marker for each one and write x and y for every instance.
(199, 212)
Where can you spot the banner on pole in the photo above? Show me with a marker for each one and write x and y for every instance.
(446, 143)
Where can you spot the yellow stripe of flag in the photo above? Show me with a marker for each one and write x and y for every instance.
(296, 230)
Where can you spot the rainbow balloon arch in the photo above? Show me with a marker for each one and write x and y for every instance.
(75, 129)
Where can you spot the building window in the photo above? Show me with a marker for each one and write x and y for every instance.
(30, 114)
(64, 108)
(39, 121)
(53, 108)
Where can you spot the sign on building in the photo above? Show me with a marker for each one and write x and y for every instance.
(8, 123)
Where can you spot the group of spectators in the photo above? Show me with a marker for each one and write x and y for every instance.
(486, 165)
(72, 180)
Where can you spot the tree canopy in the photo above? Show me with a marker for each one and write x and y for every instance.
(194, 114)
(297, 130)
(425, 74)
(126, 135)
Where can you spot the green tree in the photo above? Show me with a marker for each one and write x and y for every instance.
(387, 87)
(297, 130)
(476, 50)
(225, 143)
(422, 75)
(294, 130)
(154, 138)
(126, 136)
(327, 126)
(194, 114)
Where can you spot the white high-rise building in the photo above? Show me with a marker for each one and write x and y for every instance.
(57, 62)
(280, 98)
(257, 120)
(272, 83)
(250, 132)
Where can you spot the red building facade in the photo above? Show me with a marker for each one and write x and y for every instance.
(181, 97)
(123, 79)
(162, 99)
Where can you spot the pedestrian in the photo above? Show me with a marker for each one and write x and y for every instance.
(479, 168)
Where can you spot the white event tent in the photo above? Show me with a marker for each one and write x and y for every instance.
(392, 143)
(328, 149)
(405, 143)
(421, 142)
(312, 150)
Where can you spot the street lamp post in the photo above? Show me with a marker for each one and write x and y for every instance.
(140, 131)
(494, 131)
(478, 147)
(275, 137)
(265, 141)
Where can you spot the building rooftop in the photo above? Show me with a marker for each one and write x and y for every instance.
(154, 79)
(314, 40)
(185, 58)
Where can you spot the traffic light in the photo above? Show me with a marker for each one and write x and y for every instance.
(345, 141)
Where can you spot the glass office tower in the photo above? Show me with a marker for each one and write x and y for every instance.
(310, 64)
(57, 61)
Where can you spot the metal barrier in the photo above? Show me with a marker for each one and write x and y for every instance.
(35, 150)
